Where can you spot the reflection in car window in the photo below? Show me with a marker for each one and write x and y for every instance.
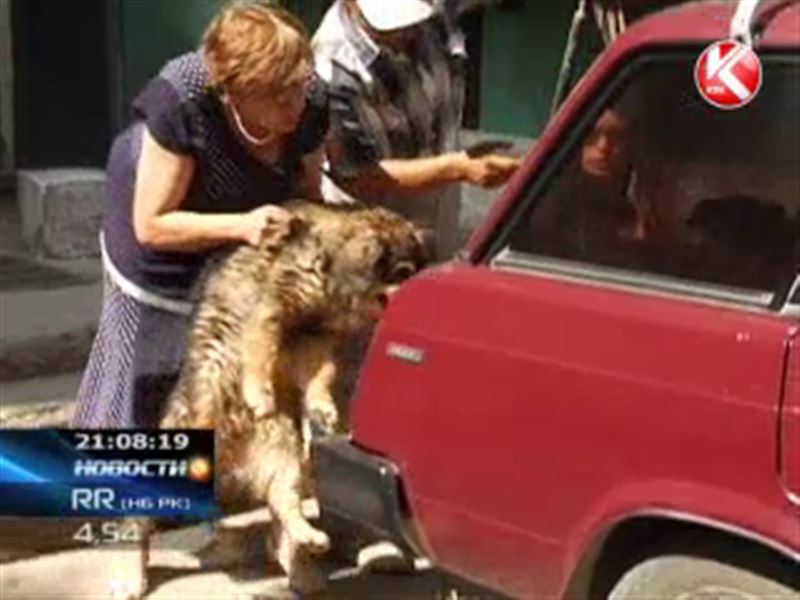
(664, 183)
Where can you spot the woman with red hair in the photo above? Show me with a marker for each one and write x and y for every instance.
(221, 137)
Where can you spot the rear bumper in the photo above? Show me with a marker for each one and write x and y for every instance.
(362, 489)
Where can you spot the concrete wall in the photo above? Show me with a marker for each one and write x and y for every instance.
(523, 45)
(521, 57)
(522, 49)
(152, 31)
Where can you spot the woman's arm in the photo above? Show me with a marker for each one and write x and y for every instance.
(162, 182)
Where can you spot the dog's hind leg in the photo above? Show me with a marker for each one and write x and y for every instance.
(294, 540)
(284, 486)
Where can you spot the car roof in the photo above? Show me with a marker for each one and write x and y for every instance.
(710, 21)
(777, 27)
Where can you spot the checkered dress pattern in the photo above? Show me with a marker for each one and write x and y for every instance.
(105, 390)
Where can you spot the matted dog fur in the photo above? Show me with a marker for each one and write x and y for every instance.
(261, 358)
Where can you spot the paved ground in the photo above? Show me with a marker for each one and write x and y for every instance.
(176, 572)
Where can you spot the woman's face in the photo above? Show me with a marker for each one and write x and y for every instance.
(266, 113)
(605, 153)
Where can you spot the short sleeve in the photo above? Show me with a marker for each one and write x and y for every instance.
(354, 138)
(315, 121)
(166, 116)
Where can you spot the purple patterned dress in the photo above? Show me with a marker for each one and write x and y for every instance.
(140, 340)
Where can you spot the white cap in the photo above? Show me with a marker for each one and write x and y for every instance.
(387, 15)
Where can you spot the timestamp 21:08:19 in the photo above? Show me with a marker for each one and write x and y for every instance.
(127, 440)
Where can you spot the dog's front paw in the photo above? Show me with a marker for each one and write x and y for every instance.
(303, 536)
(294, 550)
(305, 575)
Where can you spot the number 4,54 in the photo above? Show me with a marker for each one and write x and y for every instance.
(108, 532)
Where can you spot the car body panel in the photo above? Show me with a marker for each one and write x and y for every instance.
(524, 428)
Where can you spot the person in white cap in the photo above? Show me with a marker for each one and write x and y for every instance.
(392, 15)
(395, 71)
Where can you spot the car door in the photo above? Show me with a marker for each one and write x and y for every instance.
(602, 356)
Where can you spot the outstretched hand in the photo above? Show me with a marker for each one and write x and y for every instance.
(489, 170)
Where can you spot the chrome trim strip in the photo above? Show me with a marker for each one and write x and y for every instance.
(520, 262)
(792, 497)
(792, 306)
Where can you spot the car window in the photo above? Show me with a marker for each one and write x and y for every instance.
(660, 182)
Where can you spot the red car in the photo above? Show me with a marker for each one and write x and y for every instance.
(601, 396)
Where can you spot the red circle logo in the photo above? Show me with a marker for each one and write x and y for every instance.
(728, 74)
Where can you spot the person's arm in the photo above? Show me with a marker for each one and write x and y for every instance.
(416, 175)
(162, 182)
(354, 153)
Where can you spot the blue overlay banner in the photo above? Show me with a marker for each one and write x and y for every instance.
(107, 473)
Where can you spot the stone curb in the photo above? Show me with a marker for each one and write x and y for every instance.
(46, 355)
(56, 413)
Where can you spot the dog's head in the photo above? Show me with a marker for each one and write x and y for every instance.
(379, 250)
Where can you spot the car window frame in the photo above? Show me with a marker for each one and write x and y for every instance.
(791, 307)
(500, 256)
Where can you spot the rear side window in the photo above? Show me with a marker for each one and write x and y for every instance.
(659, 182)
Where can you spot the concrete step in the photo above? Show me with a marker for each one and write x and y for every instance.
(61, 210)
(56, 414)
(38, 402)
(29, 392)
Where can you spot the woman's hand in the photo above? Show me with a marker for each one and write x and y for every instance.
(489, 170)
(267, 224)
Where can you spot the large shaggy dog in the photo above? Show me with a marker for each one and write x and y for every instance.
(261, 358)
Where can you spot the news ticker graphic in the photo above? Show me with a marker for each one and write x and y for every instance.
(107, 473)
